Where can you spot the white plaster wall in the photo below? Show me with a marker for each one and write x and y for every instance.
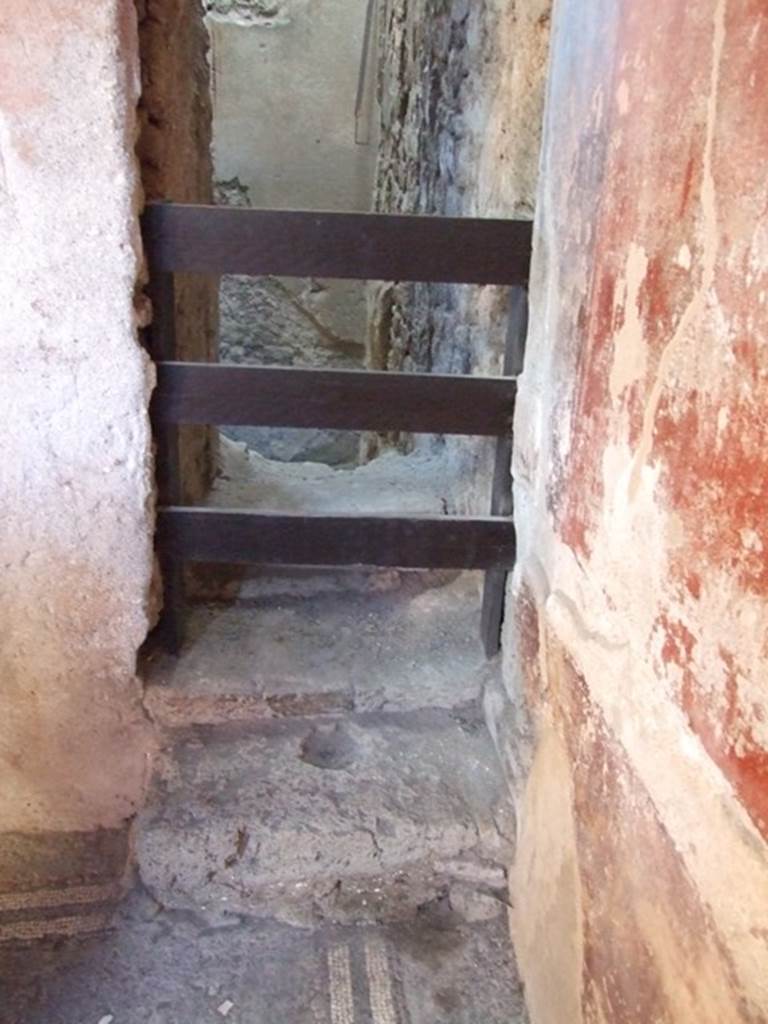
(75, 469)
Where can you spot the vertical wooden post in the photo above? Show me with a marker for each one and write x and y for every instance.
(167, 459)
(495, 585)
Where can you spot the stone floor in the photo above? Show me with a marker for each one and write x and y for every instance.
(170, 967)
(381, 640)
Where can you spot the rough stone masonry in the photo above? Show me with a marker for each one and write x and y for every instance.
(461, 90)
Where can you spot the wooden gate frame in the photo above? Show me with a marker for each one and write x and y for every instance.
(226, 240)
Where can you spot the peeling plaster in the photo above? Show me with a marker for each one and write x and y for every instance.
(249, 13)
(710, 241)
(630, 350)
(640, 499)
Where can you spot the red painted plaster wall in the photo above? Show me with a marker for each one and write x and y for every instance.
(642, 497)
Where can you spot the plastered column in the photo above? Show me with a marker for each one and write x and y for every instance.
(75, 462)
(640, 631)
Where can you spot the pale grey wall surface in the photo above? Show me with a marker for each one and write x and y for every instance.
(285, 75)
(284, 96)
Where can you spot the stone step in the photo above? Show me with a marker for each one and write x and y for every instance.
(358, 641)
(366, 818)
(420, 483)
(424, 482)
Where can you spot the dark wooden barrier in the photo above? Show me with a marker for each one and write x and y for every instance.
(275, 538)
(293, 243)
(362, 246)
(332, 399)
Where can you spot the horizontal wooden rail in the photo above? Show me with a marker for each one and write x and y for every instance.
(260, 538)
(332, 399)
(294, 243)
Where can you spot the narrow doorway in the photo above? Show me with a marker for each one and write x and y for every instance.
(325, 727)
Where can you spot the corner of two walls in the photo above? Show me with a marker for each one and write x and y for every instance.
(639, 630)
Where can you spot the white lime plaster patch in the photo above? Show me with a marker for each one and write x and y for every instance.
(630, 350)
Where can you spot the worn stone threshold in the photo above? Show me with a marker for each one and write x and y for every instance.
(361, 818)
(313, 643)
